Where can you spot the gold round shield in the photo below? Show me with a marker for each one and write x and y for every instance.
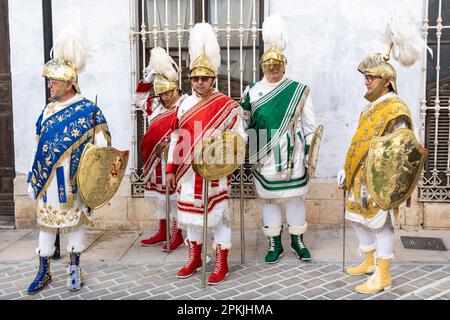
(100, 172)
(393, 167)
(314, 151)
(219, 155)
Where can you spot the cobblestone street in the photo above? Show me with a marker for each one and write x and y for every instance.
(117, 267)
(295, 281)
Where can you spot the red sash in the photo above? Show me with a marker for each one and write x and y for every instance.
(216, 113)
(158, 130)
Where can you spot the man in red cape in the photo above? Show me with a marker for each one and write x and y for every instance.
(200, 116)
(162, 76)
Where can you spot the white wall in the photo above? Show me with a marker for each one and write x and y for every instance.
(104, 24)
(27, 57)
(327, 41)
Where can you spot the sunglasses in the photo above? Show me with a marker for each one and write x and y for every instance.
(202, 79)
(53, 82)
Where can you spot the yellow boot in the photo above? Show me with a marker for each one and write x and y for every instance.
(367, 267)
(380, 280)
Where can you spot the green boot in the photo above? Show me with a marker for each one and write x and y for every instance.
(297, 243)
(275, 251)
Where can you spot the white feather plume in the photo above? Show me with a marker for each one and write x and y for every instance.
(163, 64)
(406, 41)
(274, 34)
(69, 46)
(204, 40)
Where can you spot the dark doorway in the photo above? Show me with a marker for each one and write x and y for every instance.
(7, 170)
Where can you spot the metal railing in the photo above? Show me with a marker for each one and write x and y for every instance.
(435, 130)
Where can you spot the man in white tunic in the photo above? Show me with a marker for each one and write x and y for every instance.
(280, 119)
(64, 128)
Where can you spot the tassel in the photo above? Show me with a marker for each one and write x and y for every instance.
(70, 200)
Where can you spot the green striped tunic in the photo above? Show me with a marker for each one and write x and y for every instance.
(280, 123)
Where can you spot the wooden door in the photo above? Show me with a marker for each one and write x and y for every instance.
(7, 170)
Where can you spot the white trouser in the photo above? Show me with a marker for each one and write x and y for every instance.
(222, 235)
(295, 214)
(47, 243)
(382, 242)
(161, 209)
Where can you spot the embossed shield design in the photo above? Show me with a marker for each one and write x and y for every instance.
(219, 155)
(314, 151)
(393, 167)
(100, 173)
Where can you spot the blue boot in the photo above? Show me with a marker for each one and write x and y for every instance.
(43, 276)
(75, 280)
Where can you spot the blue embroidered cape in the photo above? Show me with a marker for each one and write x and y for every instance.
(65, 133)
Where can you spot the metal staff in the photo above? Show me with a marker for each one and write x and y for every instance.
(205, 230)
(241, 182)
(343, 240)
(167, 220)
(164, 155)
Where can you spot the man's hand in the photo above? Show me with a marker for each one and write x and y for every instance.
(30, 191)
(341, 178)
(149, 74)
(170, 181)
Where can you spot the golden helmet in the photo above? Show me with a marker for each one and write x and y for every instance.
(377, 66)
(202, 67)
(61, 70)
(275, 42)
(70, 55)
(273, 60)
(204, 51)
(161, 85)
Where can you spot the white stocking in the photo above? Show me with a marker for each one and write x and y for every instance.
(222, 235)
(76, 241)
(272, 216)
(366, 239)
(46, 246)
(194, 235)
(385, 243)
(295, 213)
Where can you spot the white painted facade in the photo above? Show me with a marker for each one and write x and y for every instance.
(327, 41)
(104, 24)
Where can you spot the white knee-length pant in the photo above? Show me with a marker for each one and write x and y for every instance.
(47, 248)
(222, 235)
(295, 214)
(382, 242)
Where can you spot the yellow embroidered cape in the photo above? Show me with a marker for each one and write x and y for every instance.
(372, 123)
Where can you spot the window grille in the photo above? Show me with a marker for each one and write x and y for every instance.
(435, 183)
(167, 23)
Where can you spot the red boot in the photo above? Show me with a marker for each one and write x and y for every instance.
(158, 237)
(220, 267)
(176, 237)
(194, 262)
